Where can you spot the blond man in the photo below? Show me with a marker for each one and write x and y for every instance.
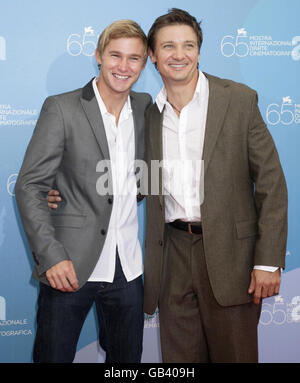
(87, 251)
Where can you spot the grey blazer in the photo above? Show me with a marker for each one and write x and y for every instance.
(244, 213)
(68, 142)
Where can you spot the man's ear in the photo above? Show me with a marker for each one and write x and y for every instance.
(152, 56)
(97, 56)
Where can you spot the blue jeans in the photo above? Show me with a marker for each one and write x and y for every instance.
(119, 308)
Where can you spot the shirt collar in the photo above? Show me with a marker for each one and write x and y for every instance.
(161, 98)
(126, 108)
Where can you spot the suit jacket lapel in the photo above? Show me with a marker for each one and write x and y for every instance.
(92, 111)
(217, 107)
(136, 124)
(157, 144)
(157, 137)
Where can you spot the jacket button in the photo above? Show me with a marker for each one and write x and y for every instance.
(103, 231)
(110, 200)
(160, 243)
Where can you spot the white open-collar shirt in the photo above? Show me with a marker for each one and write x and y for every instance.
(123, 226)
(183, 139)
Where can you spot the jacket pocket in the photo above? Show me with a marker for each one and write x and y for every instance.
(70, 220)
(246, 229)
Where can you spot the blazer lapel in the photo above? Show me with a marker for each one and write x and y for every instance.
(92, 111)
(157, 144)
(219, 97)
(136, 124)
(157, 137)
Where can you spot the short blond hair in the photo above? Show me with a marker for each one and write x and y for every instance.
(120, 29)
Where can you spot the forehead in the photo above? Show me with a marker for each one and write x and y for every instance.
(176, 33)
(128, 45)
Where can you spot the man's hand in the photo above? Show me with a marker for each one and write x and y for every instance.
(53, 196)
(62, 276)
(264, 284)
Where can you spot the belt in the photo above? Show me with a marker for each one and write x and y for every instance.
(191, 227)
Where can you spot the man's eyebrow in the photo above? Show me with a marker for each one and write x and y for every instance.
(172, 41)
(135, 55)
(166, 42)
(114, 51)
(119, 53)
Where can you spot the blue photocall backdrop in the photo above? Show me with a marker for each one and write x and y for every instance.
(47, 47)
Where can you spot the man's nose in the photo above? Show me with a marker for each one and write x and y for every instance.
(178, 53)
(123, 64)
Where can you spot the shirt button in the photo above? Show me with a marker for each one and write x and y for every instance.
(110, 200)
(103, 231)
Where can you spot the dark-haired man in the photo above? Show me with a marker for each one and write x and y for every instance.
(207, 267)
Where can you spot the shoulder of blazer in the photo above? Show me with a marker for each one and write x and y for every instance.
(71, 97)
(140, 98)
(88, 91)
(235, 86)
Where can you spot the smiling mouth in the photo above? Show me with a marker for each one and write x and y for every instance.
(178, 66)
(120, 77)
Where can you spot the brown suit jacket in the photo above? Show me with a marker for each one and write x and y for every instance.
(244, 212)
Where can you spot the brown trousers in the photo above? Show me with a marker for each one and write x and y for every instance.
(194, 328)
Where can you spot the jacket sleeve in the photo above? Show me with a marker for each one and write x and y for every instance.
(270, 192)
(36, 178)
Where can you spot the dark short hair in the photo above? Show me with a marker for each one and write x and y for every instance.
(175, 16)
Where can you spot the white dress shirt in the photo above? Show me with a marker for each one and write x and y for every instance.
(183, 139)
(123, 226)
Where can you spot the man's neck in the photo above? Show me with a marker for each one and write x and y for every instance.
(113, 101)
(180, 94)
